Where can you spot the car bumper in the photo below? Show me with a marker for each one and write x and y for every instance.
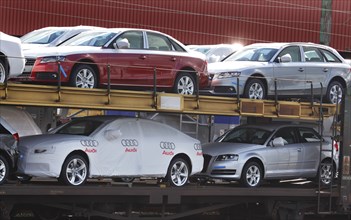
(213, 169)
(37, 166)
(227, 86)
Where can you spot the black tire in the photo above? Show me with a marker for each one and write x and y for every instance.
(185, 84)
(84, 76)
(4, 170)
(3, 72)
(335, 92)
(178, 172)
(255, 89)
(74, 171)
(251, 175)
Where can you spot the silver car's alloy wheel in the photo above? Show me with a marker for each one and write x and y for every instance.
(85, 79)
(2, 72)
(185, 85)
(76, 171)
(253, 175)
(326, 174)
(256, 91)
(335, 93)
(178, 172)
(4, 170)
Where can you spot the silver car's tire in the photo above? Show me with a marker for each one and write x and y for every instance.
(255, 89)
(185, 84)
(4, 169)
(178, 172)
(335, 92)
(74, 171)
(3, 72)
(83, 76)
(327, 172)
(251, 175)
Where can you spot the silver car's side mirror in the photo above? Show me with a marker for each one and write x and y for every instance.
(278, 142)
(285, 58)
(111, 135)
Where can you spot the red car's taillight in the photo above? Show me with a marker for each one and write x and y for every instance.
(15, 136)
(336, 146)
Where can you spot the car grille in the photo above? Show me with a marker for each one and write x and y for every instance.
(223, 172)
(207, 159)
(224, 89)
(30, 61)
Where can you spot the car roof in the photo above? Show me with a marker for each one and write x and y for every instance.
(279, 45)
(275, 125)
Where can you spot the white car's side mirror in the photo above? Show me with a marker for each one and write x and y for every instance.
(285, 58)
(278, 142)
(112, 134)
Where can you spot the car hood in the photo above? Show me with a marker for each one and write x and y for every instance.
(234, 65)
(218, 148)
(61, 51)
(48, 139)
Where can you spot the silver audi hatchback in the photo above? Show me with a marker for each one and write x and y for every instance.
(262, 70)
(253, 153)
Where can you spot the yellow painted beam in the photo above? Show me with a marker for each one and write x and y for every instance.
(100, 99)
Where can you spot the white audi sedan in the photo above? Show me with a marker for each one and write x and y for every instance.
(103, 146)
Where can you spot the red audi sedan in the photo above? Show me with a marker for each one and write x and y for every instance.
(125, 57)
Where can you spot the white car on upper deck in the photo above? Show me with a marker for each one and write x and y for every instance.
(11, 57)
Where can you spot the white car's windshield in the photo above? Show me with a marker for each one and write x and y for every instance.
(259, 54)
(246, 135)
(96, 39)
(41, 37)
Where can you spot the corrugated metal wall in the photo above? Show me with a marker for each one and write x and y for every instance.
(190, 21)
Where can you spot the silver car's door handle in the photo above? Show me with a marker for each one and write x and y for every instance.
(298, 149)
(301, 69)
(325, 70)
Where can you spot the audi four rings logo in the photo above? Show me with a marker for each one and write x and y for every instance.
(89, 143)
(129, 143)
(167, 145)
(197, 146)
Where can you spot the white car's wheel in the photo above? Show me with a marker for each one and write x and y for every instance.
(3, 72)
(335, 92)
(185, 84)
(251, 175)
(178, 172)
(255, 89)
(74, 171)
(84, 76)
(4, 169)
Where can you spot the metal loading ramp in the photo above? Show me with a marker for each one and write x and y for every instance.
(105, 99)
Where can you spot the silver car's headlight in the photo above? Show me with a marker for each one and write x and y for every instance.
(52, 59)
(226, 157)
(228, 74)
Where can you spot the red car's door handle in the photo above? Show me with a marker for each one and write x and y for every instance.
(174, 58)
(143, 57)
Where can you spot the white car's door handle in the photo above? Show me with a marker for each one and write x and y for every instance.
(301, 69)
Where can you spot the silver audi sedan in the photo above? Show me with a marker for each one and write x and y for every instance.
(291, 69)
(253, 153)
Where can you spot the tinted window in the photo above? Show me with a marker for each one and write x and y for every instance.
(253, 54)
(79, 127)
(158, 42)
(330, 57)
(288, 134)
(135, 39)
(309, 135)
(96, 39)
(246, 135)
(3, 130)
(293, 51)
(313, 54)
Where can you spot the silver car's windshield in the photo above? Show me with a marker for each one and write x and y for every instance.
(79, 127)
(259, 54)
(96, 39)
(246, 135)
